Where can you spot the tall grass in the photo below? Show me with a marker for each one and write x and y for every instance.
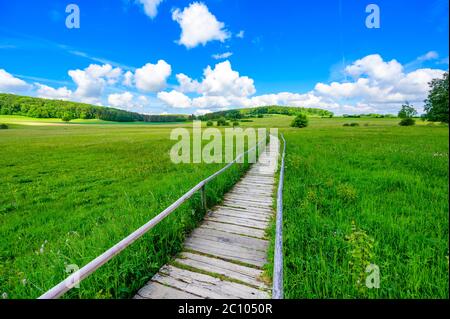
(374, 194)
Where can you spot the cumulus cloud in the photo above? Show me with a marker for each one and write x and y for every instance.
(150, 7)
(382, 85)
(376, 69)
(127, 101)
(128, 79)
(47, 92)
(175, 99)
(431, 55)
(221, 80)
(199, 25)
(419, 61)
(11, 84)
(240, 34)
(202, 112)
(152, 77)
(92, 80)
(221, 56)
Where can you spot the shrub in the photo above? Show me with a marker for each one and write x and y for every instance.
(235, 124)
(209, 123)
(407, 111)
(3, 126)
(222, 122)
(361, 253)
(407, 122)
(347, 193)
(67, 117)
(260, 116)
(351, 124)
(300, 121)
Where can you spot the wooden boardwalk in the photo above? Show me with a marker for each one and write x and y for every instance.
(223, 258)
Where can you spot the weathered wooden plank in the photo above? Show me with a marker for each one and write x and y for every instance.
(237, 221)
(245, 204)
(251, 191)
(254, 185)
(247, 184)
(228, 252)
(264, 217)
(233, 239)
(207, 286)
(234, 229)
(155, 290)
(247, 275)
(259, 181)
(252, 210)
(249, 199)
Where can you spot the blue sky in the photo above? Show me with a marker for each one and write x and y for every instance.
(300, 53)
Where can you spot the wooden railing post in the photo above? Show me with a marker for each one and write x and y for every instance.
(203, 195)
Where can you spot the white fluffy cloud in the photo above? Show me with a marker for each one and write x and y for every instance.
(220, 81)
(376, 69)
(150, 7)
(47, 92)
(199, 25)
(127, 101)
(381, 85)
(223, 80)
(240, 34)
(11, 84)
(128, 78)
(152, 77)
(186, 84)
(221, 56)
(92, 80)
(202, 112)
(175, 99)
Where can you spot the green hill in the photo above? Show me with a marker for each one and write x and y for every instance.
(11, 104)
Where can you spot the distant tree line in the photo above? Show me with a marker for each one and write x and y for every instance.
(11, 104)
(262, 110)
(371, 115)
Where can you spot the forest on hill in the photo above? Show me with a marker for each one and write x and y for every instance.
(262, 110)
(11, 104)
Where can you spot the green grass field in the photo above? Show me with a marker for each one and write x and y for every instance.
(68, 192)
(391, 182)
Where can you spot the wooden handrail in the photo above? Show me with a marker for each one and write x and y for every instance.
(67, 284)
(277, 290)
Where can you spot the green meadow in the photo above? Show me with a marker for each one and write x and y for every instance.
(70, 192)
(370, 194)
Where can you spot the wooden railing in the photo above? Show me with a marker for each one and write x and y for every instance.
(277, 290)
(67, 284)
